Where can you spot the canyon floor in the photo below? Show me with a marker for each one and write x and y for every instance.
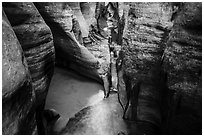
(83, 109)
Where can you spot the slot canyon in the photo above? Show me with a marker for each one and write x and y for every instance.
(102, 68)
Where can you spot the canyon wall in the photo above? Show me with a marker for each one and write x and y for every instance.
(36, 41)
(182, 61)
(161, 70)
(159, 64)
(43, 30)
(18, 97)
(69, 51)
(143, 44)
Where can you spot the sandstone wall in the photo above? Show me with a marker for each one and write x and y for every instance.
(183, 64)
(36, 40)
(145, 32)
(59, 18)
(18, 96)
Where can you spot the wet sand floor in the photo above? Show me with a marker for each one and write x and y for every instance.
(71, 94)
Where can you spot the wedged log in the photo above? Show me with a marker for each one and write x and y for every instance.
(75, 6)
(101, 18)
(36, 40)
(183, 64)
(58, 17)
(18, 96)
(143, 40)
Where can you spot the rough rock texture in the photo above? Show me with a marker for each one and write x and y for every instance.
(17, 93)
(183, 64)
(36, 40)
(58, 17)
(37, 43)
(159, 72)
(144, 35)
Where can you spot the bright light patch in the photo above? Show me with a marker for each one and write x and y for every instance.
(96, 98)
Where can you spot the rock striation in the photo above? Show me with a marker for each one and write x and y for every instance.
(144, 35)
(18, 96)
(58, 17)
(36, 40)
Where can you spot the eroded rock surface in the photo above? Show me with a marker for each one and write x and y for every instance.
(144, 35)
(159, 66)
(18, 96)
(162, 69)
(36, 40)
(59, 17)
(183, 64)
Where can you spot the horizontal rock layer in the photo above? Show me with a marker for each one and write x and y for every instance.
(143, 44)
(59, 18)
(17, 93)
(36, 40)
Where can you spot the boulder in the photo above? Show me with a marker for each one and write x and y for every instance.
(18, 96)
(36, 40)
(58, 17)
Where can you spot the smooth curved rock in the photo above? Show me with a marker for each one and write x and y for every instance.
(18, 96)
(36, 40)
(58, 16)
